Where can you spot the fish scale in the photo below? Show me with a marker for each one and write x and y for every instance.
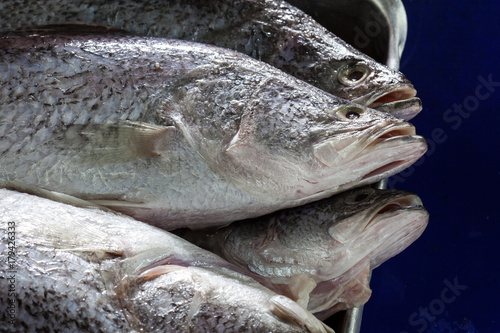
(272, 31)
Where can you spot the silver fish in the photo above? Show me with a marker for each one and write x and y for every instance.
(180, 134)
(270, 30)
(322, 254)
(70, 269)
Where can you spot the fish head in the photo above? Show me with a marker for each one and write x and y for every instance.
(367, 82)
(309, 150)
(373, 226)
(285, 141)
(380, 216)
(370, 227)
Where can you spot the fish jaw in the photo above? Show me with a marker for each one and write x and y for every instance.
(415, 221)
(405, 109)
(381, 232)
(388, 150)
(387, 230)
(400, 101)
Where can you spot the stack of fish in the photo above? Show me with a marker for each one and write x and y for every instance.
(120, 123)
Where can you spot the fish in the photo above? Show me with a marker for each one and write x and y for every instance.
(180, 134)
(321, 254)
(272, 31)
(71, 269)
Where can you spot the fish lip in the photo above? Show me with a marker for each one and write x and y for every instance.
(404, 109)
(400, 129)
(390, 149)
(400, 93)
(374, 135)
(400, 101)
(394, 206)
(399, 157)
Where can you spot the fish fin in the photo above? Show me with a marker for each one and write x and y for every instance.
(138, 210)
(73, 235)
(68, 234)
(239, 144)
(122, 142)
(72, 29)
(154, 272)
(51, 195)
(118, 203)
(300, 286)
(289, 311)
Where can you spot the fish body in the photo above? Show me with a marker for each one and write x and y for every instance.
(272, 31)
(85, 270)
(180, 134)
(321, 254)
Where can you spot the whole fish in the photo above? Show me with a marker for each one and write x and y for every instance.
(181, 134)
(69, 269)
(269, 30)
(322, 254)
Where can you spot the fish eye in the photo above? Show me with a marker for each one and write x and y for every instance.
(360, 195)
(352, 115)
(350, 112)
(353, 74)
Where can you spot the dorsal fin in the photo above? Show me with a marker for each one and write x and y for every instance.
(71, 29)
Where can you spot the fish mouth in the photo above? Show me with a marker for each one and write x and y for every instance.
(395, 147)
(399, 222)
(400, 102)
(393, 206)
(378, 153)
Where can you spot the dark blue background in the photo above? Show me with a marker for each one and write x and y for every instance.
(450, 46)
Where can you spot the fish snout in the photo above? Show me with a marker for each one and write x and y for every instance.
(410, 201)
(399, 94)
(397, 145)
(402, 221)
(400, 102)
(345, 147)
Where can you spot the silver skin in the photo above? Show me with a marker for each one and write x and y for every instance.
(180, 134)
(269, 30)
(86, 270)
(321, 254)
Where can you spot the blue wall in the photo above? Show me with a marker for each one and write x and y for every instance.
(448, 280)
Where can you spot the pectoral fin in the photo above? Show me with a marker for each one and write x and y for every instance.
(62, 233)
(117, 143)
(289, 311)
(301, 285)
(159, 270)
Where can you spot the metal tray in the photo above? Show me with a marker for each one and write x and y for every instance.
(378, 28)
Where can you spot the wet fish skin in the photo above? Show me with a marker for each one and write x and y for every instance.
(99, 271)
(269, 30)
(321, 254)
(176, 133)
